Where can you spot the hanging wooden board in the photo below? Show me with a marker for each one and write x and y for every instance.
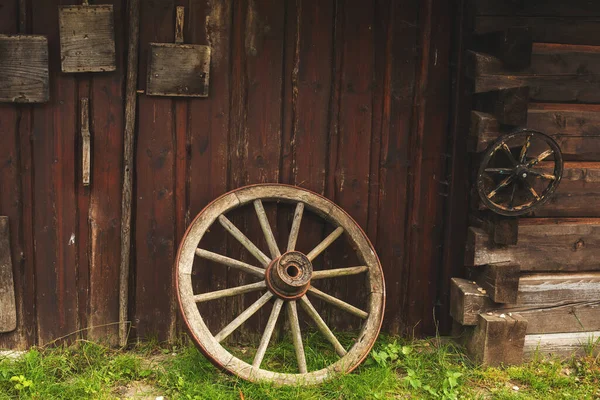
(178, 69)
(87, 38)
(8, 311)
(24, 69)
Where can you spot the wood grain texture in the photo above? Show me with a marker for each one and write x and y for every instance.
(568, 244)
(498, 339)
(178, 70)
(500, 281)
(8, 307)
(84, 130)
(566, 30)
(467, 301)
(87, 38)
(133, 13)
(24, 72)
(549, 302)
(108, 114)
(573, 126)
(155, 184)
(208, 158)
(427, 166)
(542, 8)
(16, 202)
(54, 132)
(563, 345)
(578, 194)
(566, 73)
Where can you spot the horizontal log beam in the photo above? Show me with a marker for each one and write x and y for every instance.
(537, 8)
(467, 300)
(578, 194)
(556, 74)
(560, 344)
(500, 281)
(549, 302)
(544, 244)
(575, 127)
(567, 30)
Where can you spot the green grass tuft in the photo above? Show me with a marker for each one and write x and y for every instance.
(396, 369)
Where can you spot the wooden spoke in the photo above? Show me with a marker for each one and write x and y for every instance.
(295, 227)
(542, 175)
(338, 303)
(334, 273)
(532, 190)
(266, 337)
(218, 294)
(501, 171)
(266, 228)
(523, 155)
(322, 326)
(243, 317)
(236, 233)
(509, 154)
(502, 184)
(540, 158)
(230, 262)
(325, 243)
(511, 203)
(292, 313)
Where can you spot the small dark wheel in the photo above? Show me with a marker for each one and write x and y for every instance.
(519, 172)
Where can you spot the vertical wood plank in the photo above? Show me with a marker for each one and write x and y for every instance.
(154, 220)
(54, 131)
(427, 166)
(352, 169)
(105, 200)
(455, 221)
(399, 87)
(209, 138)
(12, 200)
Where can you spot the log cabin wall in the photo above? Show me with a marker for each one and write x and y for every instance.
(350, 99)
(539, 272)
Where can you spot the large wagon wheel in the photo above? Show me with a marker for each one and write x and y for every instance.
(519, 172)
(285, 280)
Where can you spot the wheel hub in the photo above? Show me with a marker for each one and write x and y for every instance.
(288, 276)
(522, 171)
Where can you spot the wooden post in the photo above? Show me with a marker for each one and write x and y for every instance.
(498, 339)
(126, 200)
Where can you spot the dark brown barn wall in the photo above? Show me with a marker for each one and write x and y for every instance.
(348, 98)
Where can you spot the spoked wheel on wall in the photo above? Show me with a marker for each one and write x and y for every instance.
(519, 172)
(284, 278)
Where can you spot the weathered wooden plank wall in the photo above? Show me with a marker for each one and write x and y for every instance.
(348, 98)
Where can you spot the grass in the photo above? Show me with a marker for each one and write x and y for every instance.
(396, 369)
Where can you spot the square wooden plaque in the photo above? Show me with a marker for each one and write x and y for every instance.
(178, 70)
(87, 38)
(24, 69)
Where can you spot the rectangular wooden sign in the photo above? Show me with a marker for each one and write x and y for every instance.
(24, 69)
(178, 70)
(87, 38)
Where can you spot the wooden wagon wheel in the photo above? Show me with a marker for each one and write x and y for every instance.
(519, 172)
(285, 280)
